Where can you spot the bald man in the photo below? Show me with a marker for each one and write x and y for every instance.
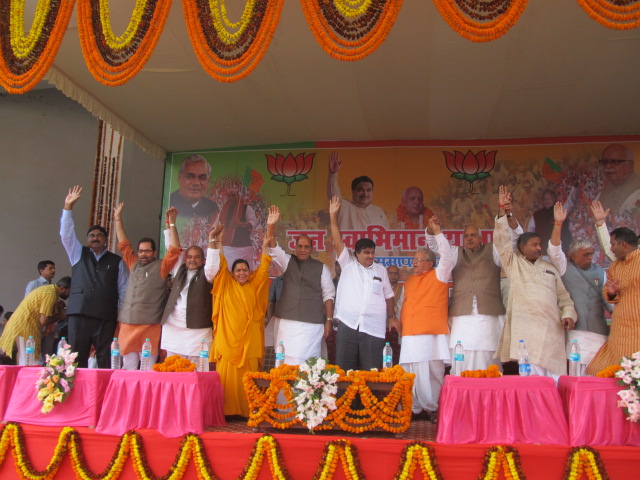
(621, 190)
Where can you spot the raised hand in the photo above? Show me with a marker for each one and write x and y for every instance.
(598, 212)
(334, 205)
(216, 232)
(334, 162)
(72, 197)
(434, 225)
(274, 215)
(117, 211)
(171, 214)
(559, 213)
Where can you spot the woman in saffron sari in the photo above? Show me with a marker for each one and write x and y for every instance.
(239, 306)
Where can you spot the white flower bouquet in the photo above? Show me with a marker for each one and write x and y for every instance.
(629, 377)
(316, 390)
(56, 379)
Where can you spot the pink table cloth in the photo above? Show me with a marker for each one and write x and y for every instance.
(8, 375)
(510, 409)
(80, 409)
(174, 403)
(591, 406)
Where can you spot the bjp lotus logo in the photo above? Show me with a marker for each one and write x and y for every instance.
(469, 166)
(289, 169)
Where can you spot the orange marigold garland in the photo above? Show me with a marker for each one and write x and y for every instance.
(481, 20)
(339, 451)
(265, 446)
(225, 56)
(609, 372)
(175, 363)
(350, 30)
(417, 454)
(502, 458)
(111, 64)
(615, 14)
(584, 462)
(25, 60)
(491, 372)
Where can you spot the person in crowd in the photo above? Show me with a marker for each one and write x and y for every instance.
(186, 320)
(144, 301)
(541, 221)
(39, 308)
(412, 213)
(621, 191)
(194, 176)
(622, 288)
(305, 307)
(47, 270)
(539, 308)
(271, 323)
(364, 302)
(476, 313)
(98, 282)
(239, 220)
(239, 303)
(357, 213)
(425, 330)
(584, 281)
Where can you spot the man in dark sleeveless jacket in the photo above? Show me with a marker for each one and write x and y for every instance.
(305, 307)
(99, 280)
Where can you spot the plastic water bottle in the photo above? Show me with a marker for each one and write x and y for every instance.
(30, 350)
(523, 360)
(279, 354)
(62, 346)
(145, 356)
(574, 359)
(203, 360)
(458, 359)
(116, 359)
(387, 356)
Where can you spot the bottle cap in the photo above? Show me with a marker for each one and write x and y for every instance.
(147, 340)
(387, 343)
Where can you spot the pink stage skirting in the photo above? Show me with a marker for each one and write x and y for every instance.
(172, 403)
(80, 409)
(8, 375)
(502, 410)
(594, 418)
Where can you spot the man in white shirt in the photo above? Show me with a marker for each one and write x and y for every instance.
(47, 270)
(364, 303)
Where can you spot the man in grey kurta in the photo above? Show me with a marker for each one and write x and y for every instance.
(539, 307)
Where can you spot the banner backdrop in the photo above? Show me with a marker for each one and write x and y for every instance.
(457, 181)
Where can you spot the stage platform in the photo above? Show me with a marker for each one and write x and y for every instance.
(234, 451)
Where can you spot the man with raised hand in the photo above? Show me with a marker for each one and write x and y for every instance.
(98, 282)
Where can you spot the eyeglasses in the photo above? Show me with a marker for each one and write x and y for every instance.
(612, 161)
(145, 251)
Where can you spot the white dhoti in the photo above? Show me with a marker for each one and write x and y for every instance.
(589, 343)
(301, 340)
(425, 356)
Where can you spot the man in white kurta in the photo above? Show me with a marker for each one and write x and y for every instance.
(539, 307)
(423, 316)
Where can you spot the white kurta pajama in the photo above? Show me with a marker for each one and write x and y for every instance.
(538, 301)
(426, 355)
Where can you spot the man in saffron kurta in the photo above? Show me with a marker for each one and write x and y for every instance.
(424, 319)
(539, 307)
(239, 302)
(622, 289)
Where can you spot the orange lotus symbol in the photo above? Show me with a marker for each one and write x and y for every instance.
(470, 166)
(290, 169)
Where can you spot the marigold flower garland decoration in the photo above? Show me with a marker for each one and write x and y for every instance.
(502, 458)
(629, 377)
(391, 413)
(584, 461)
(615, 14)
(342, 451)
(24, 61)
(491, 372)
(609, 372)
(350, 30)
(419, 454)
(175, 363)
(225, 54)
(56, 379)
(115, 60)
(481, 20)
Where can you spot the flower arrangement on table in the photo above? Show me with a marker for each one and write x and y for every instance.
(629, 376)
(175, 363)
(308, 400)
(609, 372)
(491, 372)
(56, 379)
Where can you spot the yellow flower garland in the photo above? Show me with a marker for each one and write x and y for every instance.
(23, 46)
(607, 13)
(584, 461)
(124, 40)
(352, 8)
(221, 21)
(502, 458)
(392, 414)
(418, 454)
(483, 31)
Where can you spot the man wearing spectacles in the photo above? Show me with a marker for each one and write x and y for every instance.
(621, 191)
(141, 311)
